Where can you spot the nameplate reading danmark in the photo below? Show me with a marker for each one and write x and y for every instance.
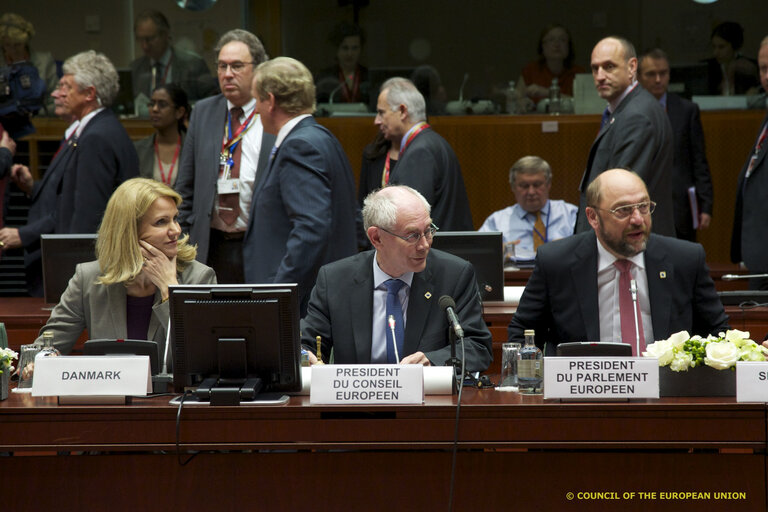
(92, 376)
(751, 381)
(601, 378)
(367, 384)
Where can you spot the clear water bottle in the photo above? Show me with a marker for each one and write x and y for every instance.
(48, 348)
(513, 99)
(530, 366)
(554, 98)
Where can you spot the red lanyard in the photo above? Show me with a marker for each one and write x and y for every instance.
(350, 96)
(419, 128)
(173, 164)
(385, 176)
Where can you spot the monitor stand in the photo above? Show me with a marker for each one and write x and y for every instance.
(215, 391)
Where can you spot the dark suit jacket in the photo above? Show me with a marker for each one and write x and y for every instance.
(638, 136)
(340, 311)
(690, 164)
(749, 242)
(430, 166)
(187, 70)
(199, 169)
(560, 299)
(6, 159)
(73, 193)
(303, 213)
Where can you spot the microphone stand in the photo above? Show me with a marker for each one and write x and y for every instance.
(633, 291)
(453, 360)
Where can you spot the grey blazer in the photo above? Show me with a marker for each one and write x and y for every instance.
(101, 309)
(199, 169)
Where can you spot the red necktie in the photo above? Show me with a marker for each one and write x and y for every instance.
(758, 147)
(229, 204)
(625, 308)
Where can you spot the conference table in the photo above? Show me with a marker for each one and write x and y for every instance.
(513, 452)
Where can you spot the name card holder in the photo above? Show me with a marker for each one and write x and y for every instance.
(601, 378)
(751, 381)
(367, 384)
(92, 379)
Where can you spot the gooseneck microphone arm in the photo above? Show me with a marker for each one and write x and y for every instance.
(732, 277)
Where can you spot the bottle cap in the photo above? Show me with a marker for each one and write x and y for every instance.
(529, 332)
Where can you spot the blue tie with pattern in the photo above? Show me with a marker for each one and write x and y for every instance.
(394, 309)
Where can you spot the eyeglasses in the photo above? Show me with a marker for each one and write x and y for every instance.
(626, 211)
(236, 67)
(161, 104)
(414, 238)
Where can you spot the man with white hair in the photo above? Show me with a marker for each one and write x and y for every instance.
(96, 155)
(360, 301)
(426, 161)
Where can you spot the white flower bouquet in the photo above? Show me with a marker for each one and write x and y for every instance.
(7, 357)
(682, 351)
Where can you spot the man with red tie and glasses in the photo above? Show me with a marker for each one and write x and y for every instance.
(581, 286)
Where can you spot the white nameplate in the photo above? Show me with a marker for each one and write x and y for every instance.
(589, 378)
(438, 380)
(751, 381)
(367, 384)
(92, 376)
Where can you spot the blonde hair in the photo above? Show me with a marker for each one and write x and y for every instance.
(289, 81)
(117, 246)
(15, 28)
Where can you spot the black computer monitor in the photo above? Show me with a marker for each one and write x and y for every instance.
(235, 341)
(485, 251)
(60, 256)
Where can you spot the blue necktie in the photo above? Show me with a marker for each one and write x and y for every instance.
(606, 117)
(395, 310)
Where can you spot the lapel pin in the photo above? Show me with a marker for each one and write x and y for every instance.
(428, 295)
(662, 275)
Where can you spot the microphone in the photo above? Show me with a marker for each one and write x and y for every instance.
(391, 322)
(333, 92)
(732, 277)
(449, 306)
(633, 291)
(461, 89)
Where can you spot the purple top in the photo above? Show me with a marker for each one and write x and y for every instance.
(138, 313)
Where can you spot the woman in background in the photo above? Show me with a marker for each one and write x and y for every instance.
(124, 294)
(347, 80)
(730, 72)
(556, 56)
(159, 153)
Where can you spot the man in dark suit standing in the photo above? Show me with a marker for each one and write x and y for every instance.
(426, 161)
(580, 289)
(162, 63)
(353, 298)
(304, 212)
(690, 161)
(748, 244)
(225, 155)
(634, 134)
(95, 157)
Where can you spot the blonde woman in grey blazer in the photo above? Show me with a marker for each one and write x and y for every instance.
(140, 251)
